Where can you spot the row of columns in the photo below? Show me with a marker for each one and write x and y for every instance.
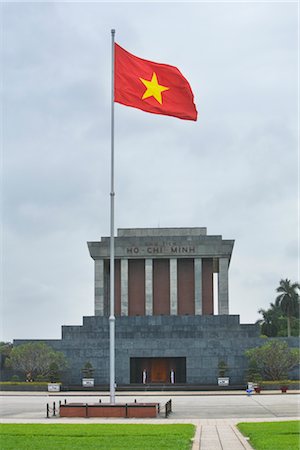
(222, 286)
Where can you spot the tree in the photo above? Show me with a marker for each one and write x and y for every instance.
(36, 359)
(288, 300)
(270, 322)
(5, 350)
(273, 360)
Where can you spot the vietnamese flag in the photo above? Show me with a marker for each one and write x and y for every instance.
(153, 87)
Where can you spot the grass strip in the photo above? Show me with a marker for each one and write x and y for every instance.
(96, 436)
(272, 435)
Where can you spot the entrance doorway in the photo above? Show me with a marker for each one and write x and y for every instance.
(157, 370)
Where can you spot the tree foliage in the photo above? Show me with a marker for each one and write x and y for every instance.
(282, 317)
(222, 368)
(88, 370)
(36, 359)
(272, 320)
(288, 300)
(5, 350)
(273, 360)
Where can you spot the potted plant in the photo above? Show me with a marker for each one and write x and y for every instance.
(223, 380)
(54, 377)
(284, 385)
(257, 380)
(88, 375)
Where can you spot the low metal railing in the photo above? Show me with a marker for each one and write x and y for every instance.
(51, 411)
(168, 408)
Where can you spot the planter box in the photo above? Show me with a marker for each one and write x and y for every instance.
(106, 410)
(88, 382)
(140, 410)
(53, 387)
(73, 410)
(223, 381)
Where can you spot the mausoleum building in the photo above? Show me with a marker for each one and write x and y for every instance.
(172, 312)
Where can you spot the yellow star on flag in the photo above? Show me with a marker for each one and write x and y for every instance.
(153, 88)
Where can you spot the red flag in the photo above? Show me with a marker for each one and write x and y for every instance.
(152, 87)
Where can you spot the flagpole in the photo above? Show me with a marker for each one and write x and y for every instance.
(112, 246)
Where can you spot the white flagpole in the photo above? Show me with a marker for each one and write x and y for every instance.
(112, 244)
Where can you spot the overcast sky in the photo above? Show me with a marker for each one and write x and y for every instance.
(233, 171)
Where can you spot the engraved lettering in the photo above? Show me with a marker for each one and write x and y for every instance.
(133, 250)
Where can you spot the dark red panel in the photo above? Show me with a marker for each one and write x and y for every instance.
(136, 287)
(161, 286)
(185, 286)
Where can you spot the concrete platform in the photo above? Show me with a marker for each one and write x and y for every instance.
(214, 415)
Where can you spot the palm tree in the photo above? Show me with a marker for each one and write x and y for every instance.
(288, 300)
(270, 320)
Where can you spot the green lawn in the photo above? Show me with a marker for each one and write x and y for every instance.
(272, 435)
(96, 436)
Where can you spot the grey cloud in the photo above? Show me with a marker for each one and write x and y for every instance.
(234, 171)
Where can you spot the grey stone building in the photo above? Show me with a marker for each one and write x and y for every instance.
(171, 307)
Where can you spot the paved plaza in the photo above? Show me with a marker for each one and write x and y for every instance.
(214, 414)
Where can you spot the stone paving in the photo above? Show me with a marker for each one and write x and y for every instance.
(214, 415)
(220, 437)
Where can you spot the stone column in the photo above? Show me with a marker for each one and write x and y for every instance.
(124, 287)
(173, 287)
(198, 285)
(99, 287)
(149, 287)
(223, 307)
